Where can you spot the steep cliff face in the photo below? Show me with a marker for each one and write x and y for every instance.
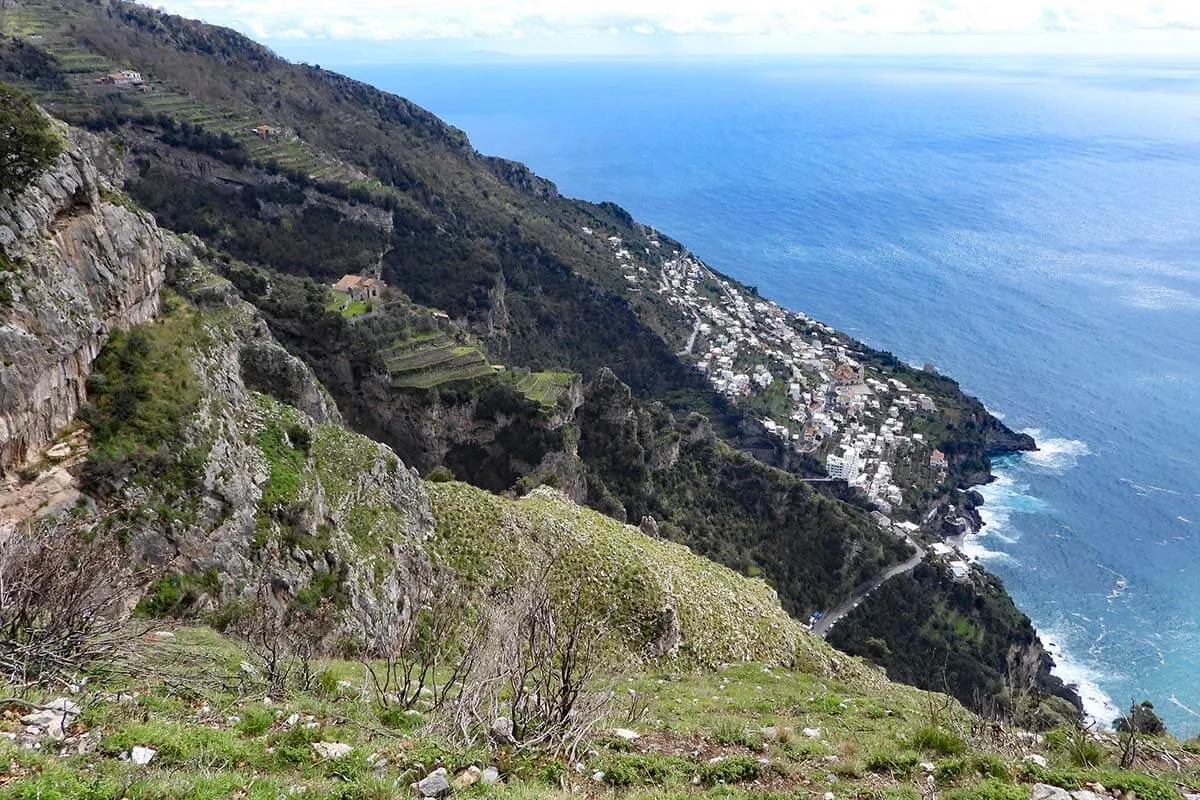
(980, 643)
(76, 266)
(486, 433)
(218, 455)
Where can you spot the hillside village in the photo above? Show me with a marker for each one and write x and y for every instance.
(800, 375)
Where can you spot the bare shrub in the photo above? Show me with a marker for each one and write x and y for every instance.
(64, 596)
(1138, 721)
(270, 644)
(283, 638)
(426, 649)
(535, 679)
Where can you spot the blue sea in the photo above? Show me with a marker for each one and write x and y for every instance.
(1030, 226)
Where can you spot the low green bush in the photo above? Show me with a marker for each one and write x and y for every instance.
(1082, 750)
(630, 769)
(991, 789)
(732, 732)
(176, 594)
(1144, 786)
(980, 765)
(731, 770)
(938, 740)
(30, 143)
(255, 721)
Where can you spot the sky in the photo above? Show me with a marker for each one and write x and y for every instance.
(414, 28)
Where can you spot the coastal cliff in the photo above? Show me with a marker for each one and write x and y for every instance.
(523, 339)
(299, 594)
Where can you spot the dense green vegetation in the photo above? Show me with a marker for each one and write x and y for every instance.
(972, 635)
(141, 393)
(352, 179)
(28, 144)
(739, 732)
(317, 240)
(724, 504)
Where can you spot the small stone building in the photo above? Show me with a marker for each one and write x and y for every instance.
(360, 287)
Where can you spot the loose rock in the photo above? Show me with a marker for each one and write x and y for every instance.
(502, 730)
(435, 784)
(468, 777)
(626, 734)
(142, 755)
(1044, 791)
(332, 750)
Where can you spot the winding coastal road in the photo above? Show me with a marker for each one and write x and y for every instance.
(825, 623)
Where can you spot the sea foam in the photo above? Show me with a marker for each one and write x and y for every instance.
(1098, 707)
(1054, 454)
(1006, 496)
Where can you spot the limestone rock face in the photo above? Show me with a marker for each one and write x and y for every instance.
(76, 266)
(1044, 791)
(284, 495)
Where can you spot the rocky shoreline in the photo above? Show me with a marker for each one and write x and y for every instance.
(969, 511)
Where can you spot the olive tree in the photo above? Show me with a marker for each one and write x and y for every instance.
(28, 144)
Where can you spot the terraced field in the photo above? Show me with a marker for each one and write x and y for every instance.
(49, 29)
(544, 387)
(431, 361)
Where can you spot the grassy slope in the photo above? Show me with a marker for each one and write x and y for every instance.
(745, 666)
(702, 737)
(723, 616)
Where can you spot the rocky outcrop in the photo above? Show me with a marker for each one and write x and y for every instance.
(281, 495)
(77, 265)
(288, 498)
(265, 365)
(485, 432)
(1000, 439)
(521, 177)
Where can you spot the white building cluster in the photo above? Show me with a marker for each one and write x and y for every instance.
(820, 399)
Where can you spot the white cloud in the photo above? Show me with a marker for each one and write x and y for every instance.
(498, 20)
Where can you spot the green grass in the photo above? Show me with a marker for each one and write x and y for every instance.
(938, 740)
(342, 303)
(215, 737)
(723, 616)
(142, 392)
(283, 441)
